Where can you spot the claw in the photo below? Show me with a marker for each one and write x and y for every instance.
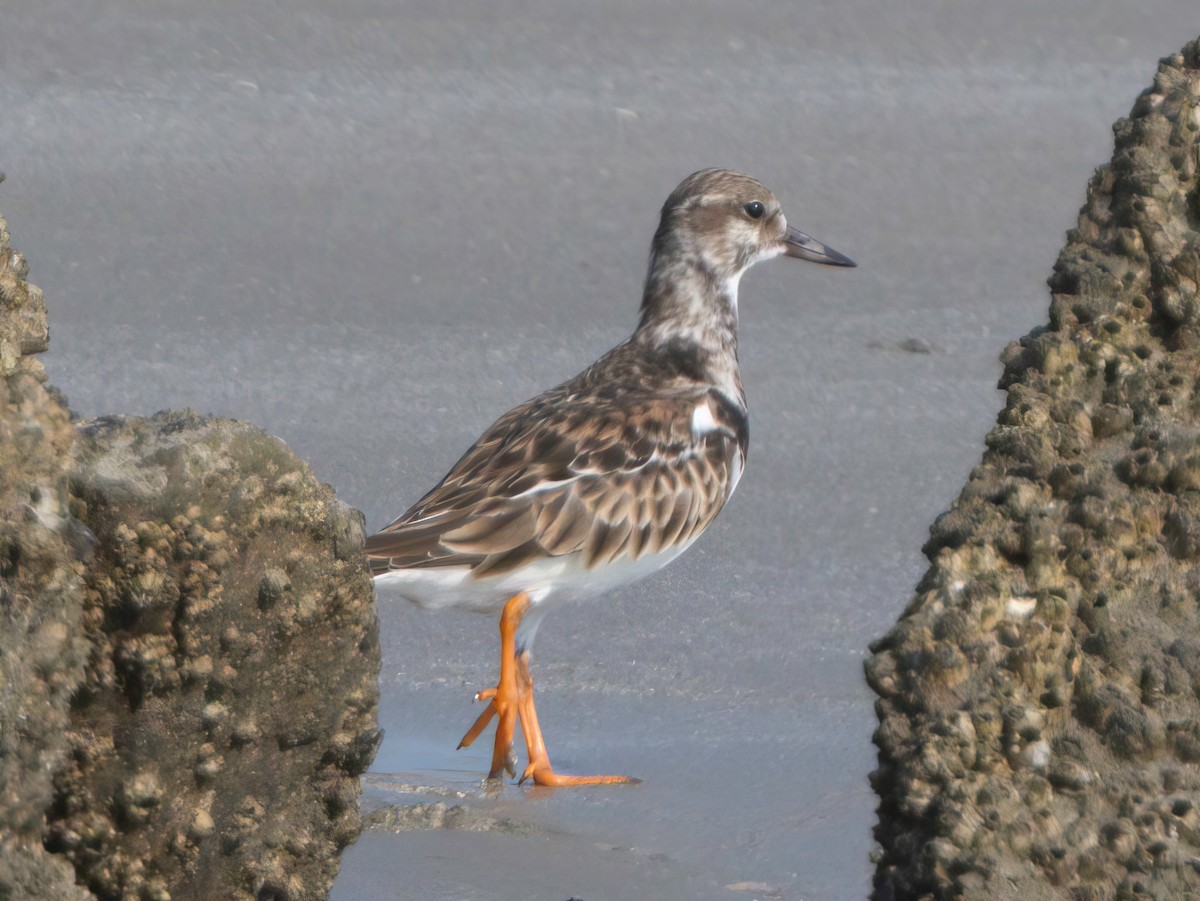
(543, 774)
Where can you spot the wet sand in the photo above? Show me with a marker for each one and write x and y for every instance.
(373, 231)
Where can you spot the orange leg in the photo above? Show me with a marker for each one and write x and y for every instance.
(539, 769)
(512, 699)
(503, 700)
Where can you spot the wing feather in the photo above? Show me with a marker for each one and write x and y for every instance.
(509, 528)
(570, 528)
(506, 562)
(610, 477)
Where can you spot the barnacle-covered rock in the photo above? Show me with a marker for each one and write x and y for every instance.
(188, 650)
(42, 652)
(229, 701)
(1039, 701)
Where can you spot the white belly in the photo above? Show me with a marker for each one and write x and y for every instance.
(550, 580)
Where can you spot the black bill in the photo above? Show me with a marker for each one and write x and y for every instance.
(802, 247)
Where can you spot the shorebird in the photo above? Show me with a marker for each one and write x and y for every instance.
(612, 474)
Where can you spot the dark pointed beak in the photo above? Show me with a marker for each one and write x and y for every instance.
(802, 247)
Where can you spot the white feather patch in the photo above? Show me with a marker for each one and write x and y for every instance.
(731, 290)
(702, 420)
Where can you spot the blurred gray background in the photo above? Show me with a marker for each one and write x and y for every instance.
(371, 228)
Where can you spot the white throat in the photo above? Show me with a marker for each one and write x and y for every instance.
(730, 290)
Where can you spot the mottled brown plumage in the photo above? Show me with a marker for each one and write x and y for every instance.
(602, 465)
(610, 475)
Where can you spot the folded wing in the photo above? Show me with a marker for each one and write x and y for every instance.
(593, 477)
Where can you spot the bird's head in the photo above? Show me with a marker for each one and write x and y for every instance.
(727, 222)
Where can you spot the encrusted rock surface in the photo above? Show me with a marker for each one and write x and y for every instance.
(1039, 715)
(188, 650)
(229, 701)
(42, 652)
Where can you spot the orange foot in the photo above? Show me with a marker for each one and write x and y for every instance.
(512, 700)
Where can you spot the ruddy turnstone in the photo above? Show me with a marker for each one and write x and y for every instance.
(611, 475)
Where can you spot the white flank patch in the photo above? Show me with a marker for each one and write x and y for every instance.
(702, 419)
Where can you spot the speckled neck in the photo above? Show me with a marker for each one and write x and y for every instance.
(688, 311)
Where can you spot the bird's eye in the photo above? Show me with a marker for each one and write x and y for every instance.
(754, 209)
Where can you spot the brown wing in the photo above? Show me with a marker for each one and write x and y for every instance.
(566, 473)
